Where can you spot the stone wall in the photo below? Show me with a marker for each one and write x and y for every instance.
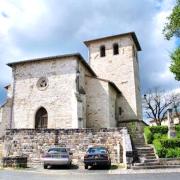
(33, 143)
(101, 103)
(5, 116)
(97, 103)
(113, 107)
(137, 84)
(58, 98)
(133, 125)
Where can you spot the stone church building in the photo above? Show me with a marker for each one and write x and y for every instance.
(65, 91)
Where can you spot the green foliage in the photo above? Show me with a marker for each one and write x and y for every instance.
(161, 152)
(175, 63)
(155, 132)
(132, 128)
(166, 152)
(172, 28)
(159, 129)
(173, 153)
(159, 136)
(148, 135)
(177, 127)
(170, 143)
(165, 148)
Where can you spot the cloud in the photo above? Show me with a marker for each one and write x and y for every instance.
(43, 28)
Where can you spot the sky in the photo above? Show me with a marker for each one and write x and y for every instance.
(38, 28)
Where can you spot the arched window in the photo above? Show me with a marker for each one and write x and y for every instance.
(115, 49)
(41, 118)
(102, 51)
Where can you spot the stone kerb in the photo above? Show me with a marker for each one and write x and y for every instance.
(34, 143)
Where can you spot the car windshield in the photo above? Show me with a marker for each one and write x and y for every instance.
(100, 150)
(57, 150)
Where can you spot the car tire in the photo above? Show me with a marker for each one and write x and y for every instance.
(85, 166)
(45, 166)
(109, 166)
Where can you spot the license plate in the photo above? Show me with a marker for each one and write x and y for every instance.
(96, 157)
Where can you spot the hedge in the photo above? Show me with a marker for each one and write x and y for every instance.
(170, 143)
(148, 135)
(173, 153)
(159, 129)
(161, 152)
(155, 132)
(177, 127)
(165, 148)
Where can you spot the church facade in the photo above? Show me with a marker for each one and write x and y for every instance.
(67, 92)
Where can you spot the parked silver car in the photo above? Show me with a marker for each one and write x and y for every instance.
(57, 156)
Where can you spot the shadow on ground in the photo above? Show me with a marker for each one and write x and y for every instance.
(61, 167)
(113, 167)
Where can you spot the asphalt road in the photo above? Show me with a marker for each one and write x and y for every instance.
(102, 175)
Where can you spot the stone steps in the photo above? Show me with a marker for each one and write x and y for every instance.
(147, 163)
(145, 153)
(154, 160)
(149, 157)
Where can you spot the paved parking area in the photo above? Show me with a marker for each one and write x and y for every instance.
(56, 174)
(60, 170)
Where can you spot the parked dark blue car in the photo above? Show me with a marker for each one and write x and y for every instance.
(97, 155)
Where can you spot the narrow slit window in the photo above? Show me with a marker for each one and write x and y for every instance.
(115, 49)
(120, 111)
(102, 51)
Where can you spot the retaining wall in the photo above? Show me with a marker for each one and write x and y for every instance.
(34, 143)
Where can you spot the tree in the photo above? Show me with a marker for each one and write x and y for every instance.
(156, 102)
(172, 29)
(175, 64)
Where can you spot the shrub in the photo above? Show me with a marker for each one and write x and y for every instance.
(177, 127)
(173, 153)
(159, 129)
(165, 148)
(160, 136)
(148, 135)
(178, 134)
(161, 152)
(170, 143)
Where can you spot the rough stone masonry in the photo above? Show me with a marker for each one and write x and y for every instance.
(34, 143)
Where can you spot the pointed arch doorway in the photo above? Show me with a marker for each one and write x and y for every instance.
(41, 118)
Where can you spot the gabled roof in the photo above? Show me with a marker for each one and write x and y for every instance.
(78, 55)
(132, 34)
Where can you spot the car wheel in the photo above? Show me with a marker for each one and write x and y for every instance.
(86, 166)
(109, 166)
(45, 166)
(69, 166)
